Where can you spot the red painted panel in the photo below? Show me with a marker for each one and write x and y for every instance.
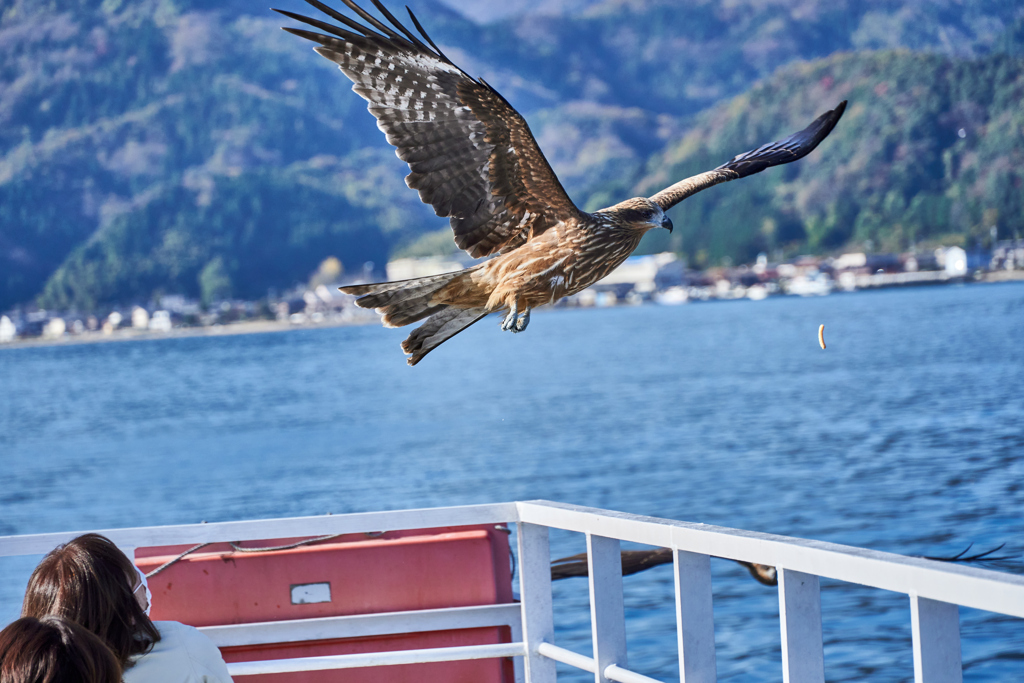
(408, 570)
(471, 671)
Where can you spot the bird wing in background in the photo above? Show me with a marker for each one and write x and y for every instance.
(636, 561)
(796, 146)
(472, 156)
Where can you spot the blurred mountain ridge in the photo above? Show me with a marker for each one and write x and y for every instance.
(142, 141)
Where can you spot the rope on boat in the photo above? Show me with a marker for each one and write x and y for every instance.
(239, 549)
(168, 563)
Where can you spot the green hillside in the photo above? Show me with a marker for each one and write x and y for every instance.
(679, 58)
(139, 142)
(929, 148)
(607, 87)
(145, 142)
(257, 230)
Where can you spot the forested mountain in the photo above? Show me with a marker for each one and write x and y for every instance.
(142, 142)
(930, 149)
(146, 142)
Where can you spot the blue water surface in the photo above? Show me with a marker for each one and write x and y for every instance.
(905, 435)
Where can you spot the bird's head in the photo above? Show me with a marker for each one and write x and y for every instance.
(641, 213)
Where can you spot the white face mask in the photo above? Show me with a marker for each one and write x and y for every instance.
(145, 584)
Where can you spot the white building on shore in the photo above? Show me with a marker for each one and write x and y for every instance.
(408, 268)
(140, 318)
(8, 330)
(646, 273)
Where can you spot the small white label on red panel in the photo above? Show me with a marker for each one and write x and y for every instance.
(308, 593)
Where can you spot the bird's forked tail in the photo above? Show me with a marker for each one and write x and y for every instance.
(405, 301)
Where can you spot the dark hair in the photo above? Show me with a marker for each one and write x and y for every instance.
(54, 650)
(89, 581)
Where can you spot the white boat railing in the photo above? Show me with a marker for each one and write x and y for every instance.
(935, 591)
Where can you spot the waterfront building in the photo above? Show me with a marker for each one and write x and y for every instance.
(8, 331)
(54, 328)
(409, 268)
(955, 262)
(161, 321)
(647, 274)
(140, 318)
(1008, 255)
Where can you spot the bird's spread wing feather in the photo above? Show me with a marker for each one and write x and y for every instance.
(796, 146)
(471, 154)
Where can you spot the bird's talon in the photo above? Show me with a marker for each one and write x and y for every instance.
(522, 321)
(509, 323)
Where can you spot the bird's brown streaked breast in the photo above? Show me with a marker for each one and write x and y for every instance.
(557, 263)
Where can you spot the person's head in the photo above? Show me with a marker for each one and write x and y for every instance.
(54, 650)
(90, 581)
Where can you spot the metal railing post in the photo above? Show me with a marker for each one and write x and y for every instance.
(936, 630)
(535, 594)
(607, 612)
(518, 666)
(803, 660)
(695, 621)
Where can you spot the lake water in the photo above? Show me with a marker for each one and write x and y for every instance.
(906, 435)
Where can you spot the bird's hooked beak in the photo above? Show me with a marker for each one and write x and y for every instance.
(666, 223)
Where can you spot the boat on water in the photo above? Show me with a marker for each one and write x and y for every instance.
(426, 595)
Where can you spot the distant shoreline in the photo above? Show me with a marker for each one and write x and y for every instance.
(262, 326)
(130, 334)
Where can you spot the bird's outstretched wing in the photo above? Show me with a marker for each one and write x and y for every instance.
(472, 156)
(636, 561)
(796, 146)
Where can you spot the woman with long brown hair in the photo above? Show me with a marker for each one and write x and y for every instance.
(54, 650)
(90, 581)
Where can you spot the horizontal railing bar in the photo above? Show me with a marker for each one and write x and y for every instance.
(363, 625)
(614, 672)
(967, 586)
(354, 523)
(560, 654)
(367, 659)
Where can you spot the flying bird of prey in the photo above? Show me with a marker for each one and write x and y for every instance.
(475, 161)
